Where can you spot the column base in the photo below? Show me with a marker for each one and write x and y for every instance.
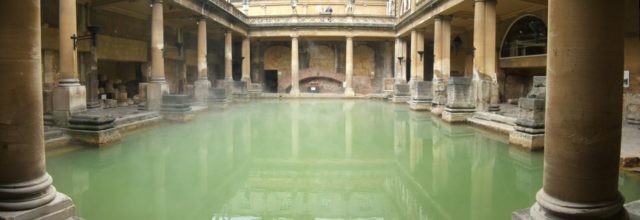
(494, 108)
(549, 208)
(67, 101)
(456, 115)
(155, 91)
(348, 92)
(531, 142)
(60, 208)
(94, 104)
(201, 93)
(420, 105)
(176, 108)
(95, 131)
(294, 92)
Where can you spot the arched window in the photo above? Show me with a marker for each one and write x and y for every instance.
(526, 36)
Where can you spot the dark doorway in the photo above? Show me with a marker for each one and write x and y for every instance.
(271, 81)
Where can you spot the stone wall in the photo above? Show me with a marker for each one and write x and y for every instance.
(322, 58)
(363, 60)
(278, 58)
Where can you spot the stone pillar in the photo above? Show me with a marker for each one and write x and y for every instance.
(92, 80)
(26, 190)
(348, 91)
(583, 115)
(387, 80)
(202, 85)
(413, 56)
(460, 103)
(484, 63)
(228, 55)
(399, 59)
(419, 61)
(69, 97)
(246, 59)
(158, 86)
(442, 65)
(295, 89)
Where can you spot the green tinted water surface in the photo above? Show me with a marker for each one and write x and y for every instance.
(315, 159)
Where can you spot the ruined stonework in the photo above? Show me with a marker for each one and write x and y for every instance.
(439, 100)
(176, 108)
(633, 109)
(529, 128)
(421, 96)
(94, 130)
(255, 90)
(401, 93)
(201, 90)
(460, 104)
(387, 85)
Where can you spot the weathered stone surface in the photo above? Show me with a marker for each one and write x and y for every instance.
(155, 92)
(94, 130)
(176, 108)
(202, 88)
(61, 207)
(401, 90)
(531, 112)
(529, 141)
(387, 84)
(67, 101)
(422, 90)
(529, 129)
(633, 109)
(459, 94)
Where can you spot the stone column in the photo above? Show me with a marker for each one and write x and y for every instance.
(399, 78)
(228, 55)
(387, 80)
(442, 65)
(484, 42)
(419, 61)
(583, 115)
(295, 89)
(26, 190)
(158, 86)
(413, 56)
(69, 97)
(348, 91)
(246, 59)
(202, 85)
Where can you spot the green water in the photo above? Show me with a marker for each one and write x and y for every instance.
(316, 159)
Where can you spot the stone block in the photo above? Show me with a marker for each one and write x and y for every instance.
(155, 91)
(633, 109)
(422, 90)
(531, 112)
(539, 88)
(176, 108)
(67, 101)
(402, 89)
(459, 93)
(456, 115)
(201, 90)
(530, 141)
(94, 130)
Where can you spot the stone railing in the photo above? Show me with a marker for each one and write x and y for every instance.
(322, 20)
(230, 8)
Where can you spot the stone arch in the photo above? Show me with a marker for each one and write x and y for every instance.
(527, 35)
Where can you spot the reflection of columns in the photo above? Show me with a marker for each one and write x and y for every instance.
(413, 54)
(246, 59)
(295, 89)
(348, 129)
(228, 55)
(202, 85)
(295, 129)
(158, 86)
(348, 91)
(69, 96)
(442, 65)
(25, 185)
(484, 64)
(582, 149)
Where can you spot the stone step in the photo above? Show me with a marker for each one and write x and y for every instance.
(497, 126)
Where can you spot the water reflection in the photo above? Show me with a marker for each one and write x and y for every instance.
(303, 160)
